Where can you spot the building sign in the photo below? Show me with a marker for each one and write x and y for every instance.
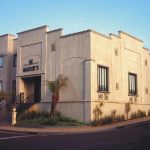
(31, 66)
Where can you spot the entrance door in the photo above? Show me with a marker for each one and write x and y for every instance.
(37, 89)
(32, 86)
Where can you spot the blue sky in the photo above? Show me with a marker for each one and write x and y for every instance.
(106, 16)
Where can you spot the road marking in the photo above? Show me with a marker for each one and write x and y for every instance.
(16, 137)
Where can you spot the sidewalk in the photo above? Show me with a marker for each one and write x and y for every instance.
(72, 130)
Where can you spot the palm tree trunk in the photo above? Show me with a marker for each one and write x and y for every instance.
(55, 99)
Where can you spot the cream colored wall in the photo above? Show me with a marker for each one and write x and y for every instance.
(53, 64)
(6, 48)
(130, 58)
(75, 50)
(77, 57)
(32, 44)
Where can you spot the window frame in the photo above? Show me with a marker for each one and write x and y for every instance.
(132, 92)
(106, 84)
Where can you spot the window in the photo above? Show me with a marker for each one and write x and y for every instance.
(14, 87)
(53, 47)
(102, 79)
(132, 84)
(30, 61)
(1, 61)
(0, 86)
(15, 61)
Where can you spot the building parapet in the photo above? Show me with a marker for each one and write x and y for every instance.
(85, 31)
(111, 34)
(135, 38)
(146, 49)
(56, 30)
(45, 26)
(76, 33)
(6, 35)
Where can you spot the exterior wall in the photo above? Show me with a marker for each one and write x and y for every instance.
(6, 51)
(131, 58)
(77, 56)
(31, 44)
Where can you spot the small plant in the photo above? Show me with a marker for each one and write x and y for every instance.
(127, 109)
(141, 113)
(108, 120)
(119, 118)
(113, 114)
(138, 114)
(97, 113)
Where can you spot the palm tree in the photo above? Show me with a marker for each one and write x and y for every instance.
(54, 87)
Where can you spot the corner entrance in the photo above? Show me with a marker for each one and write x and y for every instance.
(32, 86)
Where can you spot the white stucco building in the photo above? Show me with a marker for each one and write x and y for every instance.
(113, 69)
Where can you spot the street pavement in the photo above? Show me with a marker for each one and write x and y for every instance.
(132, 137)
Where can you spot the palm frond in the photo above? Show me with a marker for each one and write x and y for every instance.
(55, 86)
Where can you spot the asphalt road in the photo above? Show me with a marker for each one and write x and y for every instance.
(135, 137)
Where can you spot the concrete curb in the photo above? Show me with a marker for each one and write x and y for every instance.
(74, 130)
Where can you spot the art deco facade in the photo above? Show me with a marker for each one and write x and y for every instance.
(113, 69)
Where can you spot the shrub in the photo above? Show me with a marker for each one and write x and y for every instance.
(38, 118)
(33, 114)
(107, 120)
(134, 115)
(98, 112)
(119, 118)
(139, 114)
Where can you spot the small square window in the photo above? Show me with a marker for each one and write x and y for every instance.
(117, 86)
(30, 61)
(53, 47)
(145, 62)
(146, 90)
(116, 52)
